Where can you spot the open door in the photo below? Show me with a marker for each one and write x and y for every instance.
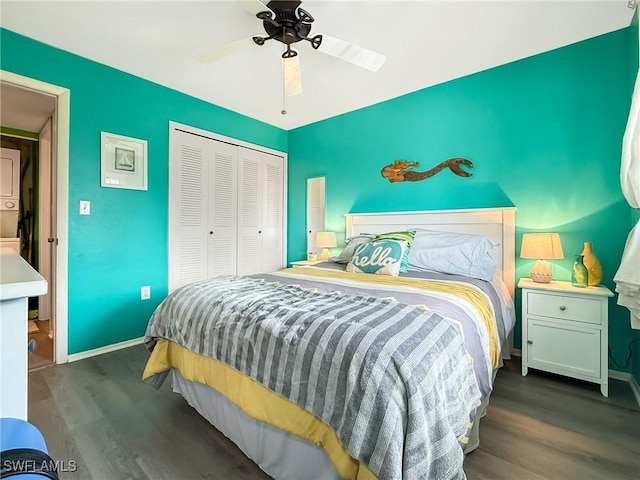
(46, 226)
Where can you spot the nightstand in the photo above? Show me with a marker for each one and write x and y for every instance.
(305, 263)
(565, 330)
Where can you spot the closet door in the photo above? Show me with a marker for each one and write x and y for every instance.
(260, 212)
(203, 179)
(226, 207)
(187, 240)
(272, 213)
(222, 205)
(250, 189)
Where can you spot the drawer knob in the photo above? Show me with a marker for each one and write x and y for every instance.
(530, 342)
(563, 308)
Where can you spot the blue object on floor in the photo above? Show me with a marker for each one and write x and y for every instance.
(24, 452)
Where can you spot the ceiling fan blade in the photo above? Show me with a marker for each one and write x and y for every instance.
(349, 52)
(291, 76)
(228, 49)
(255, 6)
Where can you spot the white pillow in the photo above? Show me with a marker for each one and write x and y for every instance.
(454, 253)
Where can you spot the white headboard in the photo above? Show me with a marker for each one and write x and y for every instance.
(498, 224)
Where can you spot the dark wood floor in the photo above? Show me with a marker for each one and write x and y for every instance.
(100, 415)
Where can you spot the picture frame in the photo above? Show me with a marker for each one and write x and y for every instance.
(123, 162)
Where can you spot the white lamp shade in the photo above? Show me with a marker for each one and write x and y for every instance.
(541, 246)
(326, 240)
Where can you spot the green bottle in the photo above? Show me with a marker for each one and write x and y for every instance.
(579, 273)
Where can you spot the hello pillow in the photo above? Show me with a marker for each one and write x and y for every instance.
(379, 257)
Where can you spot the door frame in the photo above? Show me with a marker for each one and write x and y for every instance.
(61, 157)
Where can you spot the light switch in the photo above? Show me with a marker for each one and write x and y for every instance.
(85, 207)
(145, 292)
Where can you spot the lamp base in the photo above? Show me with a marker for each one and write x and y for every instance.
(325, 255)
(541, 272)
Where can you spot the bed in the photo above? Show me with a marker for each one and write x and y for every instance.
(325, 372)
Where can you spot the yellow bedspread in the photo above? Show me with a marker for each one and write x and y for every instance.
(256, 401)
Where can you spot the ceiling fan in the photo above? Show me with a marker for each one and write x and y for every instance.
(285, 22)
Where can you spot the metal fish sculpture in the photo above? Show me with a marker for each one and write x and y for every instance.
(402, 170)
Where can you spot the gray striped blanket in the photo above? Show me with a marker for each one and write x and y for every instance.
(393, 380)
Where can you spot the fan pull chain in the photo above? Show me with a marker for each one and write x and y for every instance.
(284, 93)
(284, 110)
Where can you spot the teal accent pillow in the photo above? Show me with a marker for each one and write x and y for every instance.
(404, 236)
(380, 257)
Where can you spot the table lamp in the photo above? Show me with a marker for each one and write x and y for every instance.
(541, 247)
(325, 240)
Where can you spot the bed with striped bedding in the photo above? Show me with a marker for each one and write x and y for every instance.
(397, 381)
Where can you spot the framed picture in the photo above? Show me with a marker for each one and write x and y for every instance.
(123, 162)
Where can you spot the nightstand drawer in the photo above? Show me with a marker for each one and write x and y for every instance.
(561, 306)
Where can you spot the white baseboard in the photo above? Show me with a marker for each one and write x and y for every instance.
(106, 349)
(627, 377)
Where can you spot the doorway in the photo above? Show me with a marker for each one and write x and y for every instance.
(35, 125)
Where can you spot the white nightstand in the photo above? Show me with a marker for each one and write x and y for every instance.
(565, 330)
(305, 263)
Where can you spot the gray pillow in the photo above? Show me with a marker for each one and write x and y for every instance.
(351, 244)
(455, 253)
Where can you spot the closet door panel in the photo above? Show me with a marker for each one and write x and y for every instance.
(249, 212)
(272, 213)
(187, 216)
(222, 205)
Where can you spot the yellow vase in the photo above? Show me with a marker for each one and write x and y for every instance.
(593, 265)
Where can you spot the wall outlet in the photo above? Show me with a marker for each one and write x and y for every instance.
(145, 292)
(85, 207)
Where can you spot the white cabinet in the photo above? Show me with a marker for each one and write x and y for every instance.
(18, 282)
(565, 330)
(226, 207)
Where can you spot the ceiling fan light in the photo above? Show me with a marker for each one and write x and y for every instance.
(291, 76)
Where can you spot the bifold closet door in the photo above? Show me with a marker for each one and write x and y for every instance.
(260, 217)
(202, 209)
(222, 199)
(272, 213)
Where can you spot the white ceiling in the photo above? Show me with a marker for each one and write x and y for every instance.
(425, 42)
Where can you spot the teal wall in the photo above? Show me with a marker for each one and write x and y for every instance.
(122, 245)
(544, 133)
